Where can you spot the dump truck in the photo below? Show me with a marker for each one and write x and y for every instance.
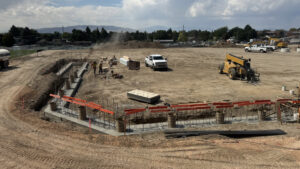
(238, 67)
(4, 58)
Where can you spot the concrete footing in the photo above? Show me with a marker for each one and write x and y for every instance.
(75, 74)
(220, 118)
(171, 120)
(68, 85)
(72, 79)
(53, 106)
(121, 126)
(61, 92)
(82, 113)
(261, 115)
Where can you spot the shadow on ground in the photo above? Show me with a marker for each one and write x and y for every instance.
(232, 134)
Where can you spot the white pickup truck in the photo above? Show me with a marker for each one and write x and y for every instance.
(156, 62)
(257, 48)
(4, 58)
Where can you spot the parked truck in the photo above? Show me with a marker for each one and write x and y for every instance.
(4, 58)
(156, 62)
(257, 48)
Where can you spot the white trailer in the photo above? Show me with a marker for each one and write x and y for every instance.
(4, 58)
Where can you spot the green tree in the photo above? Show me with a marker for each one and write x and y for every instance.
(194, 34)
(182, 37)
(160, 35)
(96, 35)
(204, 35)
(104, 34)
(56, 35)
(78, 35)
(250, 32)
(88, 30)
(221, 33)
(8, 40)
(66, 36)
(238, 33)
(175, 35)
(15, 31)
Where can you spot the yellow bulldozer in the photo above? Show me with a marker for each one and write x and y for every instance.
(238, 68)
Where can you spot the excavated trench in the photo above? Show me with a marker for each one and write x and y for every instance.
(49, 80)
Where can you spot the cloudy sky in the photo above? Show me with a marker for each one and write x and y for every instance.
(139, 14)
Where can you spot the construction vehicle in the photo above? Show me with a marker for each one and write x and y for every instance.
(257, 48)
(254, 43)
(238, 67)
(279, 43)
(156, 62)
(4, 58)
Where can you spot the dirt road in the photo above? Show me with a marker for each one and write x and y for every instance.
(26, 141)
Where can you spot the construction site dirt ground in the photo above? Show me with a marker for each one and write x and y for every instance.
(26, 141)
(193, 77)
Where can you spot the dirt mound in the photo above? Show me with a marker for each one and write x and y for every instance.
(128, 45)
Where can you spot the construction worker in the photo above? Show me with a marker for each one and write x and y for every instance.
(100, 67)
(110, 64)
(94, 65)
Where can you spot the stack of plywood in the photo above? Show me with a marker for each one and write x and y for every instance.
(143, 96)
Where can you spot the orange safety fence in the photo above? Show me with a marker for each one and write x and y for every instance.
(82, 103)
(134, 111)
(193, 108)
(189, 105)
(181, 107)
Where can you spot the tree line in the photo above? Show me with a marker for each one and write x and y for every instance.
(27, 36)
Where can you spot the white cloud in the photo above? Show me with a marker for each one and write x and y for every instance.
(204, 14)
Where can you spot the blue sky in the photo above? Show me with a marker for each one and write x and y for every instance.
(141, 14)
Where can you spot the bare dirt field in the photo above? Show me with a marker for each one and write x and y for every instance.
(26, 141)
(193, 76)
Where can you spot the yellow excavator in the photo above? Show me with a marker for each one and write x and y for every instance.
(238, 67)
(277, 42)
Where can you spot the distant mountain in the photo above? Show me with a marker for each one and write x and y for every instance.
(158, 27)
(83, 27)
